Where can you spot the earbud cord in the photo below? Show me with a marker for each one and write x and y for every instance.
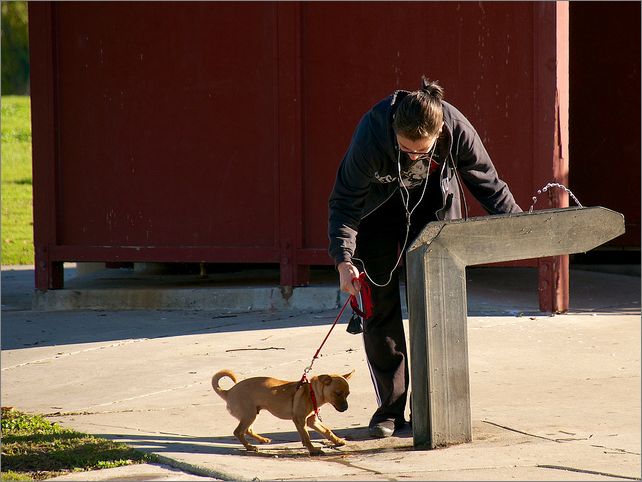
(406, 203)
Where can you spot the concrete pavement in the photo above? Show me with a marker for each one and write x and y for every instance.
(553, 397)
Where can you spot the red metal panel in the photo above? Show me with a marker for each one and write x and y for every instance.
(356, 53)
(168, 125)
(605, 109)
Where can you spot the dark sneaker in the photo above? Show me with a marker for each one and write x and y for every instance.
(382, 429)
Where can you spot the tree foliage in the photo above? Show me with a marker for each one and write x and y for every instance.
(15, 48)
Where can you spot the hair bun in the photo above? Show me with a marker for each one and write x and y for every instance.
(425, 82)
(431, 88)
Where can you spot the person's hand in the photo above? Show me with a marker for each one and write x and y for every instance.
(347, 272)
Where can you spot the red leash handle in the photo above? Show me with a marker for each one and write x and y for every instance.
(366, 298)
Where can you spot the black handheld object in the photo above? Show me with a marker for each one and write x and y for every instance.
(355, 325)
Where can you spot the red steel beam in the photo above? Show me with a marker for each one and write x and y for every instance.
(550, 137)
(186, 254)
(290, 140)
(42, 48)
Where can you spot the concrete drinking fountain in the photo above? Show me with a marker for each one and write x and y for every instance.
(437, 303)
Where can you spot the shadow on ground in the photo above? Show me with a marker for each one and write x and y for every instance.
(490, 291)
(284, 444)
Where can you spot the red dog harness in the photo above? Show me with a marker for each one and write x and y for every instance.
(313, 397)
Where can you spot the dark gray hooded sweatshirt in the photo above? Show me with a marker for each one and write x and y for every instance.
(368, 174)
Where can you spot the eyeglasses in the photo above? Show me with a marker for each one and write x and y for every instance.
(420, 155)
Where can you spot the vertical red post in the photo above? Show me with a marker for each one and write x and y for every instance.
(42, 46)
(550, 137)
(290, 141)
(561, 153)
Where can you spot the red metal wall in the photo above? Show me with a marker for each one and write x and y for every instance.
(211, 131)
(482, 54)
(605, 109)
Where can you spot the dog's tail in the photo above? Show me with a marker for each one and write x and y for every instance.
(215, 379)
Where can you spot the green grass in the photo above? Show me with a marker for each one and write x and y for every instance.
(34, 448)
(17, 205)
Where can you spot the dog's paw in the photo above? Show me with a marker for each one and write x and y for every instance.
(339, 442)
(265, 440)
(251, 448)
(315, 451)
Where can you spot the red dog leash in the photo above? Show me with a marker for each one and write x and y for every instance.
(366, 298)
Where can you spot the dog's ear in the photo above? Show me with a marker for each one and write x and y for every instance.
(347, 376)
(325, 379)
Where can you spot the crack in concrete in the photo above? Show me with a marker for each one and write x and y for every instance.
(71, 353)
(255, 349)
(151, 433)
(585, 471)
(616, 450)
(144, 395)
(124, 410)
(561, 440)
(558, 440)
(105, 412)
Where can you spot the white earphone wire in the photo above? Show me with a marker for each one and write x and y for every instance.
(406, 204)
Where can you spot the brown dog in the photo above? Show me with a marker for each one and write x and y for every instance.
(283, 400)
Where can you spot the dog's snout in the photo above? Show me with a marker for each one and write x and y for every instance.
(341, 407)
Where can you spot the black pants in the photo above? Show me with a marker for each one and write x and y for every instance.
(381, 235)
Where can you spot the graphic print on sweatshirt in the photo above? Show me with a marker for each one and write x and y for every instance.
(416, 173)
